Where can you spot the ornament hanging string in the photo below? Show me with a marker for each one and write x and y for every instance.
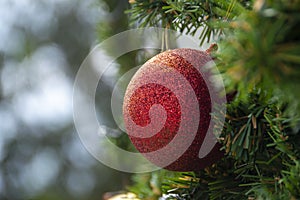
(165, 39)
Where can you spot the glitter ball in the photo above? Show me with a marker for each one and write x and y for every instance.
(158, 82)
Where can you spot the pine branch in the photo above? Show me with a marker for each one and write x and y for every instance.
(185, 15)
(262, 46)
(259, 137)
(147, 186)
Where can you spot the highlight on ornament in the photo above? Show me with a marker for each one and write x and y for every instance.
(165, 109)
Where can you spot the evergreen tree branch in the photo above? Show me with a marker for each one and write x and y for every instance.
(185, 15)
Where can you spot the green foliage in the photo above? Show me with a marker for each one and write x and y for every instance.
(263, 46)
(186, 15)
(292, 179)
(245, 133)
(147, 186)
(258, 135)
(183, 185)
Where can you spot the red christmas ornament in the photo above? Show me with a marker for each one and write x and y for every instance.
(170, 94)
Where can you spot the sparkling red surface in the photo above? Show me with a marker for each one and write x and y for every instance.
(137, 106)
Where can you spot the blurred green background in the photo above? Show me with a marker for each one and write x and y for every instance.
(42, 44)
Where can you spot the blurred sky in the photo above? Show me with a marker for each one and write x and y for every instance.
(42, 44)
